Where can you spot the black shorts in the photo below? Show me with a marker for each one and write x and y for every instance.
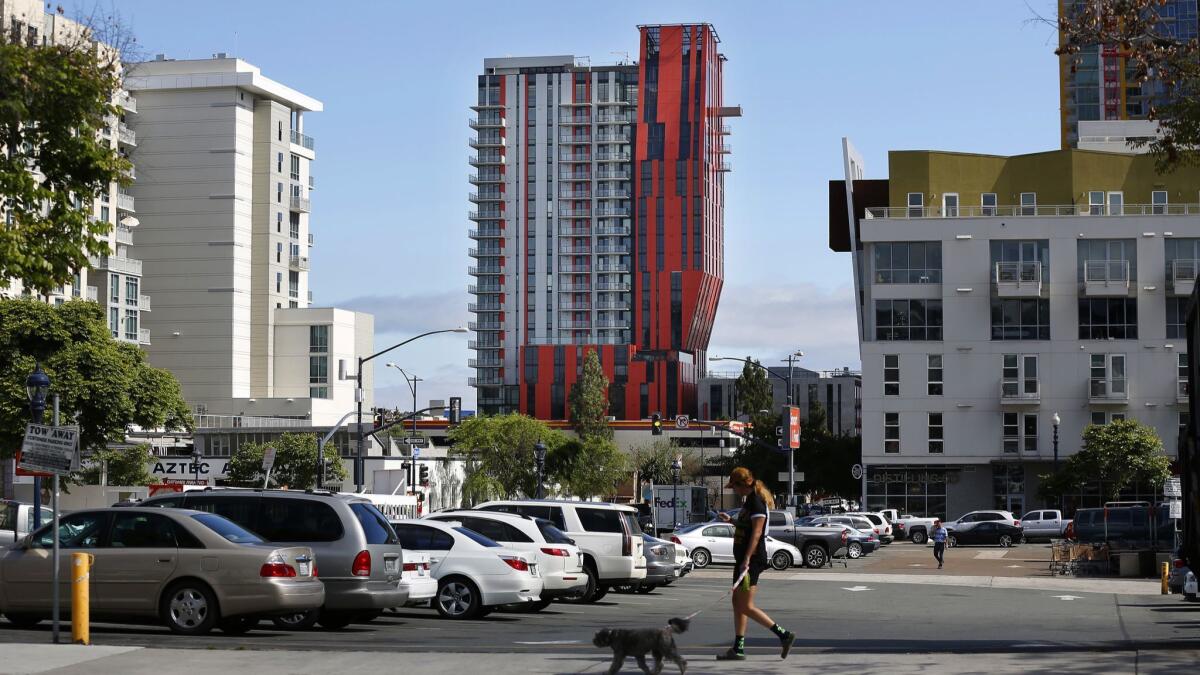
(756, 569)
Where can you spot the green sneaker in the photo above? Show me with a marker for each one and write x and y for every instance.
(731, 654)
(787, 640)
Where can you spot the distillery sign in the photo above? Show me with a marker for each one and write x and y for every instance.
(181, 469)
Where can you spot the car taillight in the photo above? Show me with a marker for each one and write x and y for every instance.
(1179, 563)
(276, 569)
(675, 540)
(1016, 523)
(560, 552)
(516, 563)
(410, 567)
(314, 570)
(362, 564)
(626, 545)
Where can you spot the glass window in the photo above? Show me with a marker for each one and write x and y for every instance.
(777, 519)
(950, 205)
(375, 527)
(916, 203)
(475, 537)
(600, 520)
(934, 374)
(1096, 203)
(298, 520)
(1158, 201)
(908, 320)
(891, 375)
(1029, 432)
(1012, 432)
(936, 433)
(910, 262)
(81, 530)
(1029, 203)
(228, 529)
(987, 203)
(423, 538)
(550, 533)
(142, 530)
(891, 433)
(1108, 318)
(1020, 319)
(1182, 374)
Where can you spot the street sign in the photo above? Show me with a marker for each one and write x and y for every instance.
(416, 452)
(793, 424)
(856, 472)
(1173, 488)
(415, 441)
(54, 450)
(1176, 508)
(681, 421)
(268, 459)
(783, 476)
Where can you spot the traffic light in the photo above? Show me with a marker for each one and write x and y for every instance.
(424, 477)
(656, 424)
(455, 410)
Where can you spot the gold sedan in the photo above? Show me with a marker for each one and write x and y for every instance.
(191, 570)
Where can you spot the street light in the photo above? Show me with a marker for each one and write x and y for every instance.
(411, 381)
(197, 456)
(360, 455)
(539, 458)
(1057, 421)
(37, 386)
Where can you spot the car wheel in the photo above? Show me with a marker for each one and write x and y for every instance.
(189, 608)
(336, 620)
(951, 541)
(625, 589)
(815, 556)
(646, 588)
(701, 558)
(537, 606)
(457, 598)
(782, 560)
(585, 596)
(23, 620)
(601, 591)
(854, 550)
(918, 537)
(298, 621)
(238, 625)
(1005, 541)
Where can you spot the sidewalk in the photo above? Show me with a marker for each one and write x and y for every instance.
(79, 660)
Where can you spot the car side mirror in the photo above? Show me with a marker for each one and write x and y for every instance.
(571, 541)
(26, 542)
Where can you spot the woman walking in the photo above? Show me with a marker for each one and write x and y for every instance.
(939, 542)
(750, 560)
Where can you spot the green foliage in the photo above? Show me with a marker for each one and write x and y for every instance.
(753, 390)
(653, 462)
(296, 464)
(126, 466)
(1117, 454)
(589, 468)
(103, 385)
(589, 400)
(53, 103)
(499, 452)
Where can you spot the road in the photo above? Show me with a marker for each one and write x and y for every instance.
(880, 604)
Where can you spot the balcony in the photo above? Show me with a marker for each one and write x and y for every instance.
(93, 293)
(497, 142)
(573, 192)
(1183, 276)
(612, 231)
(574, 324)
(126, 135)
(485, 214)
(612, 286)
(125, 202)
(490, 196)
(575, 286)
(575, 139)
(481, 307)
(567, 248)
(486, 122)
(144, 303)
(299, 263)
(127, 101)
(300, 139)
(485, 177)
(490, 362)
(577, 305)
(1181, 392)
(299, 203)
(485, 270)
(1020, 391)
(484, 325)
(567, 267)
(580, 117)
(485, 380)
(1106, 278)
(612, 211)
(612, 305)
(614, 173)
(486, 252)
(724, 166)
(1018, 279)
(485, 233)
(614, 156)
(613, 193)
(610, 268)
(1108, 391)
(612, 323)
(577, 173)
(725, 148)
(484, 344)
(611, 249)
(143, 336)
(310, 239)
(608, 117)
(117, 264)
(485, 159)
(574, 157)
(582, 212)
(612, 138)
(723, 129)
(124, 235)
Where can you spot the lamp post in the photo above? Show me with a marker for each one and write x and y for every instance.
(360, 454)
(539, 458)
(676, 469)
(1057, 421)
(37, 385)
(791, 454)
(411, 381)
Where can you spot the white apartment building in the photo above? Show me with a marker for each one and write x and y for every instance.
(224, 188)
(996, 292)
(113, 280)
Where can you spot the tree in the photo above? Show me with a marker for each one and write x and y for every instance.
(499, 455)
(103, 385)
(589, 400)
(296, 464)
(752, 389)
(653, 462)
(591, 467)
(1117, 455)
(1154, 58)
(120, 466)
(54, 101)
(825, 458)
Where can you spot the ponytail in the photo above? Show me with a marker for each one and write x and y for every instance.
(764, 494)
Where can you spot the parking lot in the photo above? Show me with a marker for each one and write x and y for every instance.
(879, 603)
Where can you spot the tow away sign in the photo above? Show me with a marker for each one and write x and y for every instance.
(53, 450)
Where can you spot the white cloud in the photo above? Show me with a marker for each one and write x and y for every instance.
(415, 313)
(766, 321)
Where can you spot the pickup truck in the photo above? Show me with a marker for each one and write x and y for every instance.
(916, 529)
(1044, 523)
(816, 544)
(16, 520)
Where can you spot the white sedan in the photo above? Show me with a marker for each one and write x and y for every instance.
(474, 574)
(713, 543)
(418, 578)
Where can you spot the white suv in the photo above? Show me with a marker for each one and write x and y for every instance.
(559, 561)
(608, 535)
(882, 526)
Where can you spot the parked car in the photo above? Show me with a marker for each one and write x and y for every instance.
(559, 560)
(913, 528)
(1179, 570)
(1144, 526)
(417, 579)
(475, 575)
(817, 544)
(892, 515)
(192, 571)
(660, 566)
(713, 543)
(1044, 524)
(608, 535)
(16, 520)
(993, 533)
(683, 560)
(858, 543)
(361, 560)
(880, 525)
(973, 519)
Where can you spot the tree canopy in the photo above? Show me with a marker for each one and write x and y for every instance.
(296, 464)
(1117, 455)
(589, 400)
(499, 453)
(591, 467)
(129, 466)
(753, 389)
(104, 385)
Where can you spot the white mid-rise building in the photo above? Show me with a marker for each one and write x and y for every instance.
(223, 192)
(997, 294)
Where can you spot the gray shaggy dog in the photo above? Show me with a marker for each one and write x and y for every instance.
(637, 642)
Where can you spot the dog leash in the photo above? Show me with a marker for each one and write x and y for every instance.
(726, 594)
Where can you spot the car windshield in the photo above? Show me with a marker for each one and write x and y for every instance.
(552, 534)
(688, 528)
(476, 537)
(375, 526)
(228, 529)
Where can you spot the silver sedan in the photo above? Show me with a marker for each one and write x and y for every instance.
(191, 570)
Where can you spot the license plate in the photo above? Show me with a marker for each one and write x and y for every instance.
(677, 570)
(420, 571)
(305, 569)
(533, 570)
(389, 565)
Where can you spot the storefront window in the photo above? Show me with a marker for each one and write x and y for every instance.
(919, 492)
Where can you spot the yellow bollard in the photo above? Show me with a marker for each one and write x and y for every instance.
(81, 568)
(1166, 572)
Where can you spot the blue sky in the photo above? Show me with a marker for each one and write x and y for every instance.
(390, 209)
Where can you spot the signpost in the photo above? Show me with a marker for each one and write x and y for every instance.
(856, 472)
(791, 420)
(268, 464)
(416, 441)
(681, 421)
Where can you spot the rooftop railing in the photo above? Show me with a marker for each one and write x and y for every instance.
(1029, 211)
